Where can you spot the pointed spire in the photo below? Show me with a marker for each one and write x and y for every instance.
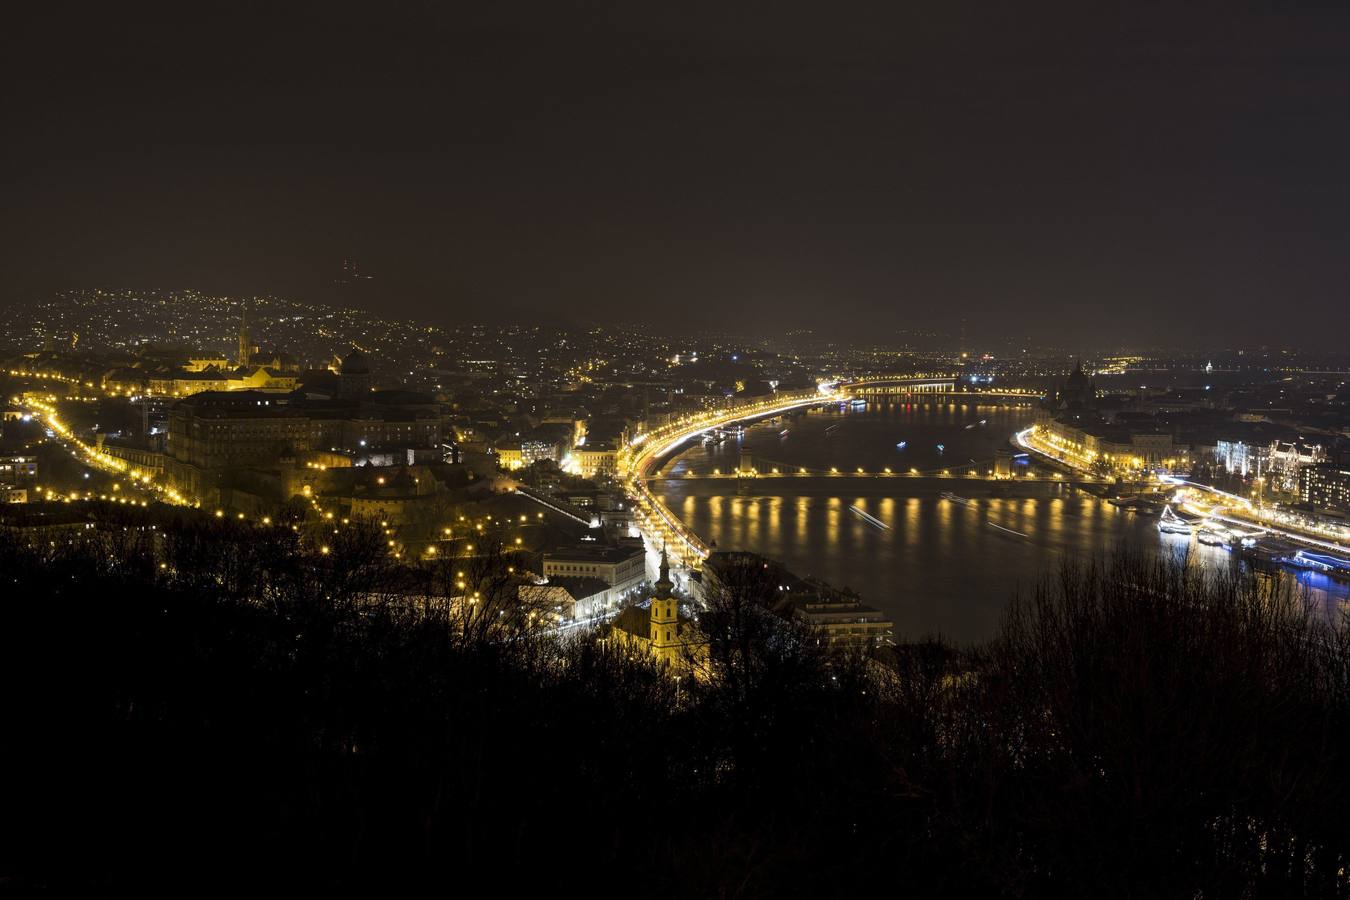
(664, 585)
(244, 349)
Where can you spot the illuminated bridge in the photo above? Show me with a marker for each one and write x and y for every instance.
(638, 462)
(923, 388)
(765, 469)
(874, 386)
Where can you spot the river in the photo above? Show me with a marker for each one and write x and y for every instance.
(935, 565)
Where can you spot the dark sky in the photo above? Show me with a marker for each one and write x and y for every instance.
(1106, 172)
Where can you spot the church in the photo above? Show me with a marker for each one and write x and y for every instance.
(1078, 393)
(659, 628)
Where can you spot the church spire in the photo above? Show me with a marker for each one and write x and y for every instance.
(665, 617)
(245, 350)
(664, 584)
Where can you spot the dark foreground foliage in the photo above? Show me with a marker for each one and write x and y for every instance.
(254, 715)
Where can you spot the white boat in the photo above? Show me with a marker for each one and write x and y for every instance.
(1171, 523)
(1213, 539)
(870, 519)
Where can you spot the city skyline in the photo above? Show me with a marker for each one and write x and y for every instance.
(689, 450)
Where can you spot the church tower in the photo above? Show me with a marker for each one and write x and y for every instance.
(245, 349)
(665, 618)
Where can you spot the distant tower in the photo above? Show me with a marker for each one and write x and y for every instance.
(245, 350)
(665, 618)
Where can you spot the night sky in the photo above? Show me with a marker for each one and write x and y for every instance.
(1088, 172)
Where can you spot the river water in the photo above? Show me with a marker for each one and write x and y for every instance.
(936, 565)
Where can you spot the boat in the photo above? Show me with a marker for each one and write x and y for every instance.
(1318, 562)
(964, 501)
(941, 447)
(902, 445)
(1171, 523)
(1149, 507)
(1009, 530)
(1213, 539)
(783, 433)
(858, 404)
(870, 519)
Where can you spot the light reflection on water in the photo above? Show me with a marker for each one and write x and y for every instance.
(941, 567)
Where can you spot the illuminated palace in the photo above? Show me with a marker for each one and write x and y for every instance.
(213, 436)
(216, 431)
(250, 371)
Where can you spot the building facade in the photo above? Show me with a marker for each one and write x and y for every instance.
(622, 568)
(1325, 486)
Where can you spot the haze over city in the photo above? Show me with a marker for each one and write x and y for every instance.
(1138, 173)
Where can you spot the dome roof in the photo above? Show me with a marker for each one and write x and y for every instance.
(354, 363)
(1078, 376)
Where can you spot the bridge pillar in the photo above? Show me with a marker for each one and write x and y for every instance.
(747, 463)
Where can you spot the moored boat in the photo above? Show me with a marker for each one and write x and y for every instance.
(1170, 522)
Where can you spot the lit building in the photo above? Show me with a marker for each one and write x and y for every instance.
(1115, 449)
(16, 467)
(592, 461)
(621, 568)
(1325, 486)
(574, 599)
(1288, 459)
(218, 430)
(510, 457)
(659, 628)
(1241, 458)
(533, 450)
(202, 363)
(214, 430)
(844, 621)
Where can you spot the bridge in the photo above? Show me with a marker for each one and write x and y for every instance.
(925, 388)
(637, 462)
(757, 467)
(968, 475)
